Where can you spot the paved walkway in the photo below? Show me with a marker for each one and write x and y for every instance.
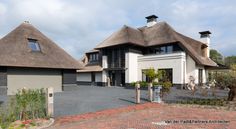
(150, 116)
(86, 99)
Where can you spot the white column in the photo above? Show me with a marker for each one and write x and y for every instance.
(131, 65)
(49, 99)
(104, 62)
(183, 68)
(104, 65)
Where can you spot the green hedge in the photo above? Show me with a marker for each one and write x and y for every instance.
(142, 84)
(165, 85)
(213, 102)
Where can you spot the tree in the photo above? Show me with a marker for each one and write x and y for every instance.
(216, 56)
(230, 60)
(232, 92)
(152, 74)
(228, 79)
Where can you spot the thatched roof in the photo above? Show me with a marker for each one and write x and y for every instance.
(159, 34)
(14, 50)
(90, 68)
(125, 35)
(92, 51)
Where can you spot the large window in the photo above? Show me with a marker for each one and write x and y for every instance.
(164, 49)
(116, 57)
(93, 57)
(34, 45)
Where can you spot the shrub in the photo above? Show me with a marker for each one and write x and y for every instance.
(227, 79)
(7, 115)
(32, 103)
(143, 84)
(26, 104)
(166, 86)
(213, 102)
(156, 83)
(133, 84)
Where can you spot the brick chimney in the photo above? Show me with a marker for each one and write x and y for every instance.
(205, 38)
(151, 20)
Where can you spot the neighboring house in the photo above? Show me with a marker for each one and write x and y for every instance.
(124, 56)
(29, 59)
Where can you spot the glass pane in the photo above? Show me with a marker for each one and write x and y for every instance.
(163, 50)
(96, 56)
(157, 50)
(169, 49)
(37, 46)
(33, 45)
(90, 57)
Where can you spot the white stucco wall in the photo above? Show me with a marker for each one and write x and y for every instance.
(131, 65)
(193, 70)
(204, 77)
(98, 77)
(85, 77)
(18, 78)
(174, 61)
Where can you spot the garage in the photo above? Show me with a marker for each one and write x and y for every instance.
(33, 79)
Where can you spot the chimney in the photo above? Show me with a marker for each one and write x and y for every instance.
(205, 38)
(26, 22)
(151, 20)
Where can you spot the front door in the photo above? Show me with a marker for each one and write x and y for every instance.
(92, 79)
(117, 77)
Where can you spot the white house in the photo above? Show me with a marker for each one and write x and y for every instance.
(123, 56)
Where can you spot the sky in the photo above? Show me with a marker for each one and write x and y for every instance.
(79, 25)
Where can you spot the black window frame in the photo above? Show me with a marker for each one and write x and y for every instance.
(93, 57)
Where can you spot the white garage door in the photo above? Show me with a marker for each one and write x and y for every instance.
(17, 78)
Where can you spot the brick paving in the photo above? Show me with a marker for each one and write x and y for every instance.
(150, 116)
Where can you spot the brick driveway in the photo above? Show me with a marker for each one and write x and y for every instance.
(150, 116)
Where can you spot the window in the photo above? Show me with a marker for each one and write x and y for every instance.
(34, 45)
(164, 49)
(200, 77)
(169, 49)
(93, 57)
(144, 76)
(116, 57)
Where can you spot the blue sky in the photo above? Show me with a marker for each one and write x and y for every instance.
(79, 25)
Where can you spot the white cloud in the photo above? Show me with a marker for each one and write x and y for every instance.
(79, 25)
(2, 9)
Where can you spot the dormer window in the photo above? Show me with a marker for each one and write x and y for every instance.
(34, 45)
(93, 57)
